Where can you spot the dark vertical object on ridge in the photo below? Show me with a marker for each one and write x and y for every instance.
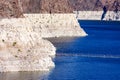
(104, 12)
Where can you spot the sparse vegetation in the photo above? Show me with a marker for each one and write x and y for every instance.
(3, 40)
(19, 50)
(28, 50)
(14, 43)
(16, 56)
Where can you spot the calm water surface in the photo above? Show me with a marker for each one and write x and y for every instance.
(94, 57)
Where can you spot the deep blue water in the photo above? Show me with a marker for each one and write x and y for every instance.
(94, 57)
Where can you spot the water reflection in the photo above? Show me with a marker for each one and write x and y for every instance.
(24, 76)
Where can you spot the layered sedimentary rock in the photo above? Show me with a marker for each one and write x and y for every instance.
(97, 15)
(22, 49)
(10, 8)
(103, 9)
(52, 18)
(55, 25)
(21, 46)
(95, 5)
(56, 6)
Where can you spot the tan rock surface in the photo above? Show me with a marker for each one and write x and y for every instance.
(22, 49)
(55, 25)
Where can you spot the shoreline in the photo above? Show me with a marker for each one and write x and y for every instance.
(22, 40)
(97, 15)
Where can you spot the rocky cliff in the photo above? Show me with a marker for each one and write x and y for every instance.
(16, 8)
(55, 25)
(10, 8)
(23, 49)
(97, 9)
(23, 24)
(46, 6)
(98, 15)
(95, 5)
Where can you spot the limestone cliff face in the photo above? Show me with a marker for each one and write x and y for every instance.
(21, 46)
(52, 18)
(10, 8)
(98, 15)
(55, 25)
(22, 49)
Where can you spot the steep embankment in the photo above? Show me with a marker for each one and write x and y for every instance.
(97, 9)
(55, 25)
(52, 18)
(21, 46)
(22, 49)
(97, 15)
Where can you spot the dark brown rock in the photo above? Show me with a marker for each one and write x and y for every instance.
(95, 5)
(16, 8)
(31, 6)
(10, 8)
(56, 6)
(46, 6)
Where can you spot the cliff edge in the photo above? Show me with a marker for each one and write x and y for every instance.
(22, 49)
(97, 9)
(24, 24)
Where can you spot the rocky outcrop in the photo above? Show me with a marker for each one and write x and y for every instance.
(103, 9)
(22, 49)
(56, 6)
(95, 5)
(21, 46)
(55, 25)
(46, 6)
(97, 15)
(10, 8)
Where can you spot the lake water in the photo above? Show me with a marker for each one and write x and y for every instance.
(94, 57)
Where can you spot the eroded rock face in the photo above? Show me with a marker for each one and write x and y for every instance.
(10, 8)
(46, 6)
(22, 49)
(31, 6)
(93, 5)
(97, 9)
(55, 25)
(21, 46)
(56, 6)
(98, 15)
